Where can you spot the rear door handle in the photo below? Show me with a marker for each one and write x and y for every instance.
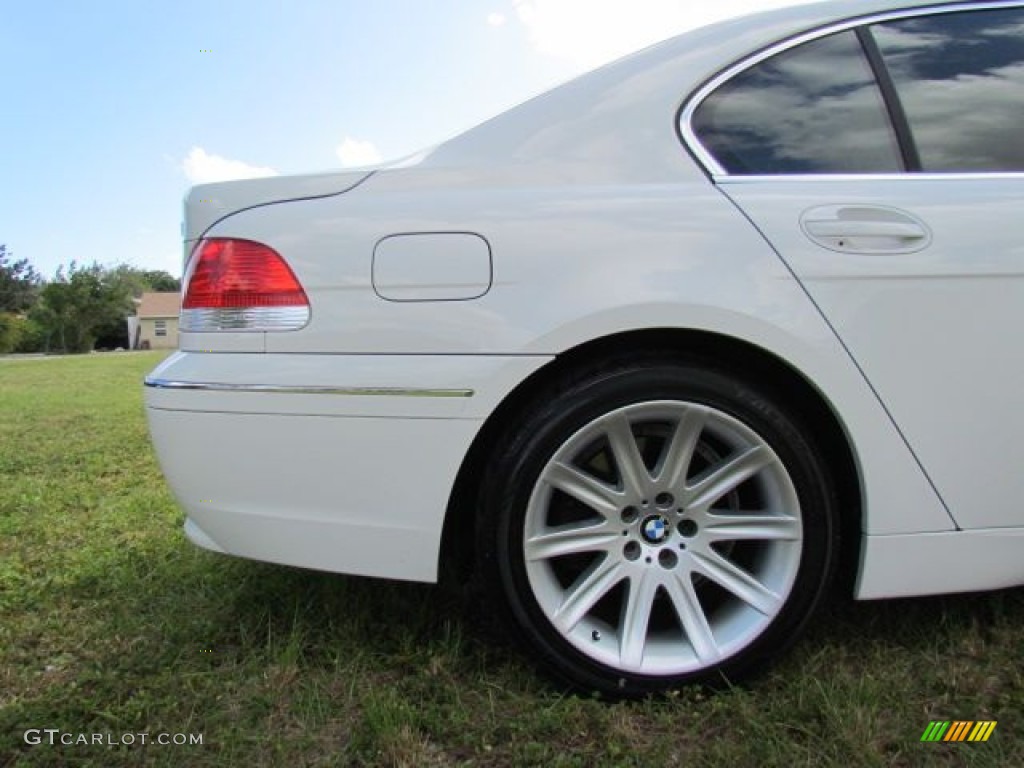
(865, 229)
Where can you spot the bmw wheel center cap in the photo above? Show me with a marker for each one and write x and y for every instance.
(654, 529)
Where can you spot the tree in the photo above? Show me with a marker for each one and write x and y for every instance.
(80, 307)
(19, 283)
(19, 286)
(11, 331)
(138, 281)
(73, 307)
(158, 280)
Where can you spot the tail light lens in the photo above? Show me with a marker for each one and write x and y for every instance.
(241, 285)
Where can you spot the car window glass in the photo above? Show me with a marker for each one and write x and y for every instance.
(960, 78)
(813, 109)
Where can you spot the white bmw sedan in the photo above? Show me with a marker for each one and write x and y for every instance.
(661, 352)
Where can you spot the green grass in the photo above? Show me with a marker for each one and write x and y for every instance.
(112, 623)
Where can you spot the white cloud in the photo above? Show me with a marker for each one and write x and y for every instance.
(354, 152)
(588, 34)
(496, 19)
(201, 167)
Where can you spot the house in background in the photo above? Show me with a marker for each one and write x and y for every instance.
(155, 325)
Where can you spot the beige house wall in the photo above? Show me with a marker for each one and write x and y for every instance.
(147, 332)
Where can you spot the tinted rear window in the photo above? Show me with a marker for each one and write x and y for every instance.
(960, 78)
(813, 109)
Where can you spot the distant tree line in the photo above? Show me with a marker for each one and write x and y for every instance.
(82, 308)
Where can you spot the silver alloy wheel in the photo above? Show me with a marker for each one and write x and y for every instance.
(662, 538)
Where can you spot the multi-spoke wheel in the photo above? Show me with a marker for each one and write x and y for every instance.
(657, 524)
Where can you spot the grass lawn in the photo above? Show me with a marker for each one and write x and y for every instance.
(112, 623)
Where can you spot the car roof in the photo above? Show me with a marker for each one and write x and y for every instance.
(618, 122)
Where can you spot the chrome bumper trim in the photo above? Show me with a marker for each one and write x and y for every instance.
(290, 389)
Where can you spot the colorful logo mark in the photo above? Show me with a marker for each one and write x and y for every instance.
(958, 730)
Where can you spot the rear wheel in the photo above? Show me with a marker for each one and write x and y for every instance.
(656, 524)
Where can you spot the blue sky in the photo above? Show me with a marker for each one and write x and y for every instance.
(112, 108)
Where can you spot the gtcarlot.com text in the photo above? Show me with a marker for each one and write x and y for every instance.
(55, 737)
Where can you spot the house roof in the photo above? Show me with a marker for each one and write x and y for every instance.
(164, 304)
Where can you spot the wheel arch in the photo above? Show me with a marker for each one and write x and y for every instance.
(734, 355)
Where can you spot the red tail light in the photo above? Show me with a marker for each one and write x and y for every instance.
(241, 285)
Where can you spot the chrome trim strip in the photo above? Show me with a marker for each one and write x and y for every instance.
(906, 178)
(300, 389)
(694, 101)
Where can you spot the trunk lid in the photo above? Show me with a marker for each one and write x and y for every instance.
(206, 204)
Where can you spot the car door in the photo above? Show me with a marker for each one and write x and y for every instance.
(884, 161)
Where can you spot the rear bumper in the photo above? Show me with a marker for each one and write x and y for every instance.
(334, 462)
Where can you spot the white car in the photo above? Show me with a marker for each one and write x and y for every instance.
(661, 351)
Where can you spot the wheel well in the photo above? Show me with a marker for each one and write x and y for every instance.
(737, 356)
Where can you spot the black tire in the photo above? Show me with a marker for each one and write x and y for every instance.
(644, 554)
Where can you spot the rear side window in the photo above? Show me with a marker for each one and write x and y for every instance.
(813, 109)
(960, 79)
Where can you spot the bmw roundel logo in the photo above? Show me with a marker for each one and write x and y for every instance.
(655, 529)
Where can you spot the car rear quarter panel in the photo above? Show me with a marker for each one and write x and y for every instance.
(574, 263)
